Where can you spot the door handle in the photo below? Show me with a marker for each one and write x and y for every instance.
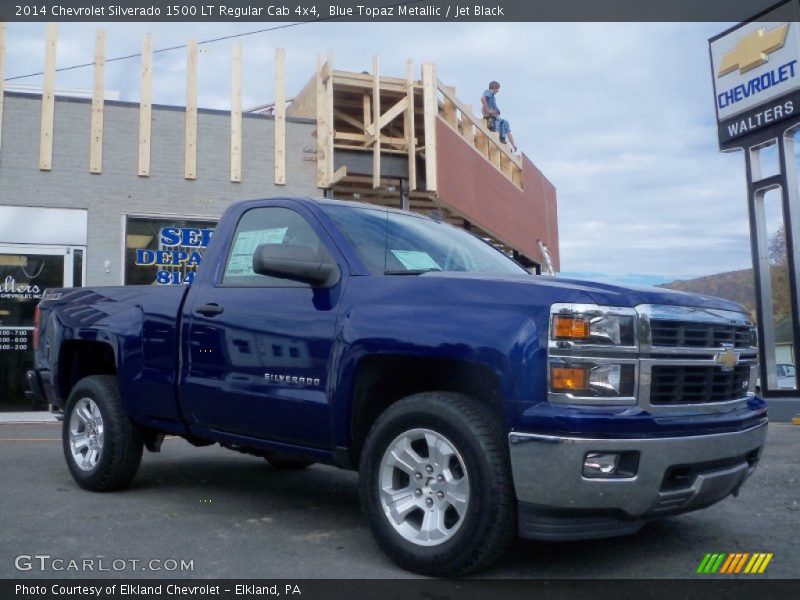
(209, 310)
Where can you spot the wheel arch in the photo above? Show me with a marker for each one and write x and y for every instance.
(382, 380)
(82, 358)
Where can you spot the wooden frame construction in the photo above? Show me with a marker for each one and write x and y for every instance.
(376, 137)
(388, 116)
(145, 133)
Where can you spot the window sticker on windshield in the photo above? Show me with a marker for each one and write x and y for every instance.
(416, 260)
(241, 262)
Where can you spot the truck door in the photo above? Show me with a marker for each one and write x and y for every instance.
(256, 349)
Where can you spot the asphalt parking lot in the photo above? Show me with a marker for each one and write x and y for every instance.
(233, 516)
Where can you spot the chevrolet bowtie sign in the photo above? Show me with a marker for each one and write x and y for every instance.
(753, 50)
(756, 70)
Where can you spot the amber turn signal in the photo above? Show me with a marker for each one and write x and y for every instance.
(568, 379)
(568, 327)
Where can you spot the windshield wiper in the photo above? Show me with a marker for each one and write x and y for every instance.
(410, 271)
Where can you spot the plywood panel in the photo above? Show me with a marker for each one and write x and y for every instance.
(478, 192)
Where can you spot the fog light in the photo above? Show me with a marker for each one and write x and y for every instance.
(611, 465)
(597, 464)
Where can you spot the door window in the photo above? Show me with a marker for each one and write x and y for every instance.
(271, 225)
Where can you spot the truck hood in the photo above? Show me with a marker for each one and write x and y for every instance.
(574, 290)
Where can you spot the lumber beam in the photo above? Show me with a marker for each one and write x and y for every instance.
(368, 139)
(48, 99)
(324, 122)
(366, 100)
(467, 127)
(494, 153)
(146, 106)
(450, 109)
(280, 116)
(394, 112)
(408, 126)
(376, 120)
(98, 98)
(343, 116)
(431, 106)
(190, 147)
(516, 176)
(236, 113)
(322, 127)
(2, 74)
(327, 73)
(338, 175)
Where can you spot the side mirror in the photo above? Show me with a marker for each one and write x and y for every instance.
(298, 263)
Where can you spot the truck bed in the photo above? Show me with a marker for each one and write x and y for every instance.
(141, 325)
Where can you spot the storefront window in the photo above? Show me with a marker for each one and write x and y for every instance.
(164, 251)
(24, 276)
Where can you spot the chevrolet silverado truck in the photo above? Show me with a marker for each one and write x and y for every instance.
(476, 401)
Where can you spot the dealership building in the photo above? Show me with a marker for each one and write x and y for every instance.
(100, 192)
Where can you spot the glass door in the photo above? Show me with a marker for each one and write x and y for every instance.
(25, 273)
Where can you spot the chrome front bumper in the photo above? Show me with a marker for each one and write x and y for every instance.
(548, 472)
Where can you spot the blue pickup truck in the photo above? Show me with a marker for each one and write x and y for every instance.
(477, 401)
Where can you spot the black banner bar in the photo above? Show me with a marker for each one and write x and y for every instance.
(730, 588)
(380, 10)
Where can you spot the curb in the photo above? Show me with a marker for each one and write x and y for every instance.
(28, 418)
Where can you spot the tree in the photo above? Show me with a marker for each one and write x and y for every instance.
(777, 247)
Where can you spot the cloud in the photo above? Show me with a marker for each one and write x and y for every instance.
(618, 115)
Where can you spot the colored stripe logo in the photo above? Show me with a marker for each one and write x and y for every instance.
(735, 563)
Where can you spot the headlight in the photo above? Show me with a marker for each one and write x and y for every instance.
(593, 354)
(593, 325)
(589, 380)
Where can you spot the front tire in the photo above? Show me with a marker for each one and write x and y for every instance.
(103, 448)
(436, 486)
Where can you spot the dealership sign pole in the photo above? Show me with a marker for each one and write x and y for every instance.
(756, 73)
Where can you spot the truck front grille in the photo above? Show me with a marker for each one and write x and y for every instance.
(687, 334)
(697, 385)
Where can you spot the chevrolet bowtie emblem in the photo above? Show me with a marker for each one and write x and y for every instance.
(752, 50)
(727, 359)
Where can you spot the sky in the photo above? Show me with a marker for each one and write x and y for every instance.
(618, 116)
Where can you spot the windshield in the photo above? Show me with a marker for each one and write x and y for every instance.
(401, 244)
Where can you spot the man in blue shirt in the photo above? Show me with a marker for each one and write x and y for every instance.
(489, 108)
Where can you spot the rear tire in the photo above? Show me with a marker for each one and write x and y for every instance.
(103, 448)
(435, 484)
